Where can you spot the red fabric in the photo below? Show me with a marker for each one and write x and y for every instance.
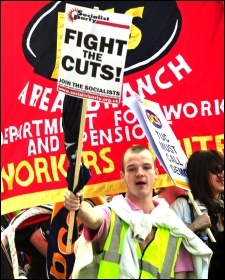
(196, 99)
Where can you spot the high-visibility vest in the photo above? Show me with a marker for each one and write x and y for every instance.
(156, 261)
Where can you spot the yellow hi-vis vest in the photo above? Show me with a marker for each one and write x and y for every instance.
(157, 261)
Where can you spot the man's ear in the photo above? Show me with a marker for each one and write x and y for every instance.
(122, 175)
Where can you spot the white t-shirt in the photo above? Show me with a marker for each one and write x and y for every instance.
(183, 211)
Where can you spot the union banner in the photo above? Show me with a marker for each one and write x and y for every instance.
(175, 57)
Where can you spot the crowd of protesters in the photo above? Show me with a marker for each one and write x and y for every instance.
(141, 221)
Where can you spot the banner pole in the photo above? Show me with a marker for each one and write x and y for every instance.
(197, 209)
(76, 174)
(72, 215)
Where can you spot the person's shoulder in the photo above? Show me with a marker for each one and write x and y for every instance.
(181, 200)
(159, 201)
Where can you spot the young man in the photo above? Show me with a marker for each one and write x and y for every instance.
(136, 236)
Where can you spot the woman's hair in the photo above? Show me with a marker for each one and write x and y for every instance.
(199, 166)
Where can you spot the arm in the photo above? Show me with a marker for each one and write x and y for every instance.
(182, 209)
(39, 242)
(200, 222)
(86, 213)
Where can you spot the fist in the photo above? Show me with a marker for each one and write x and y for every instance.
(72, 201)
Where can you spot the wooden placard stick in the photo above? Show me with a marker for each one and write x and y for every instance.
(77, 172)
(198, 211)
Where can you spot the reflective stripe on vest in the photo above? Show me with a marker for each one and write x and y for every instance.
(168, 261)
(111, 255)
(111, 252)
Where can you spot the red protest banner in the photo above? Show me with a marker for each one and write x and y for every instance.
(175, 57)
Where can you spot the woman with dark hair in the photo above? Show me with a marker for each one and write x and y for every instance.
(205, 170)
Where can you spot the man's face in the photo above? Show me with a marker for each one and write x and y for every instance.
(139, 174)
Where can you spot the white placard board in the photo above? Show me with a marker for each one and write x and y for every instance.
(93, 54)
